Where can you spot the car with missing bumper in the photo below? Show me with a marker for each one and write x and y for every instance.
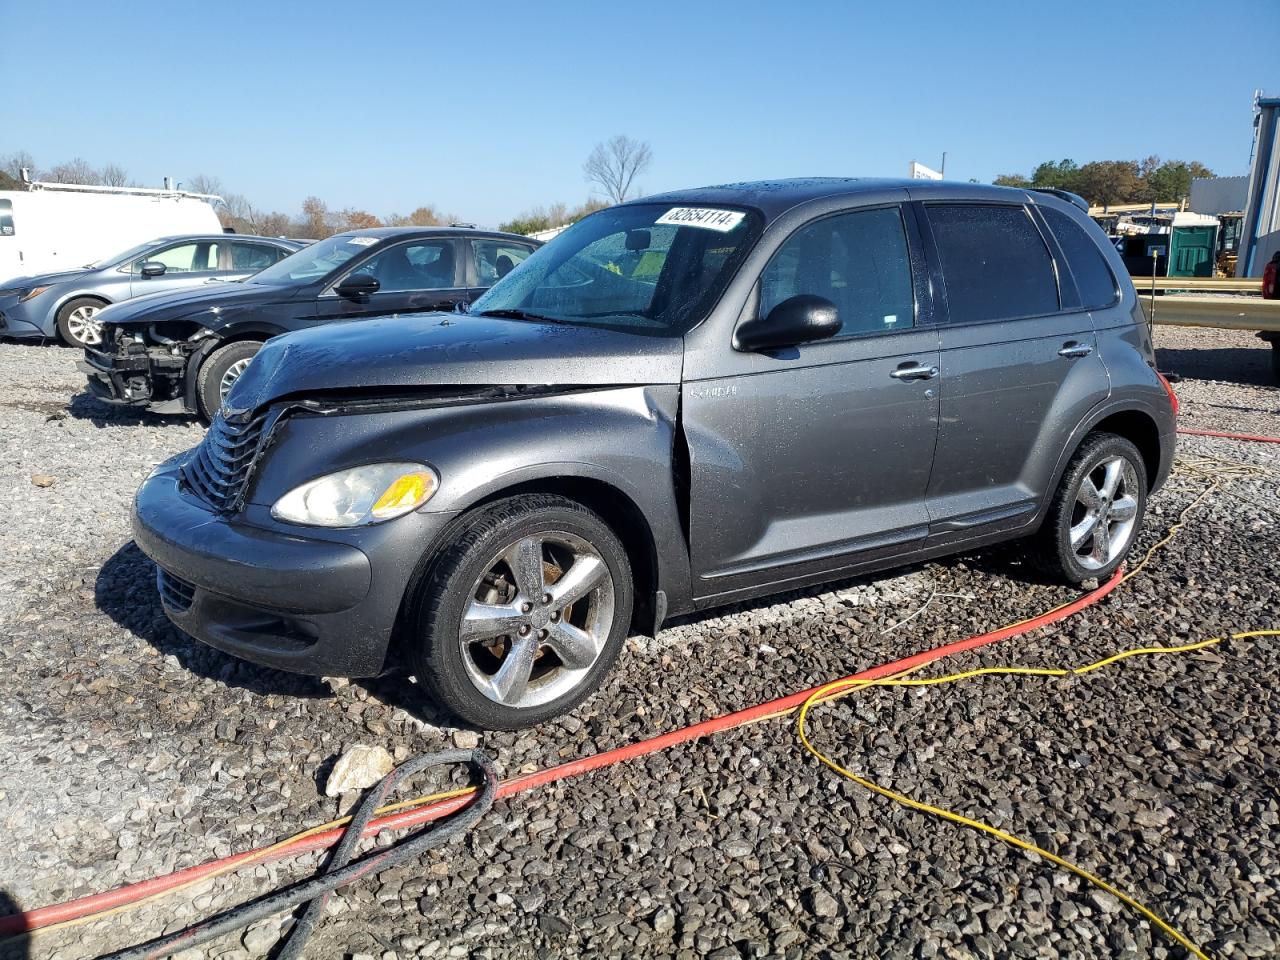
(182, 353)
(65, 305)
(696, 398)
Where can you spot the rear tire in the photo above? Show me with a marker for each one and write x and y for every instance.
(219, 372)
(1096, 513)
(504, 644)
(76, 326)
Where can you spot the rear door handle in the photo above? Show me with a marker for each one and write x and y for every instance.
(914, 371)
(1073, 350)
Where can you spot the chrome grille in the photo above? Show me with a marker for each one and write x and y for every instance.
(219, 470)
(174, 592)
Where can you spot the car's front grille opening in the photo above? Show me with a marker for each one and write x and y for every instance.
(219, 470)
(175, 593)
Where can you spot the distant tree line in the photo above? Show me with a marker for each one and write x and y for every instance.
(1115, 181)
(612, 168)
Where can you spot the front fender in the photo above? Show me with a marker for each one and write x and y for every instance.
(620, 437)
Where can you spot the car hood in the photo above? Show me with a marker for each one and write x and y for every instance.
(399, 355)
(44, 279)
(203, 302)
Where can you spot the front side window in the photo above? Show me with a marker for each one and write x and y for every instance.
(1093, 277)
(648, 268)
(184, 258)
(6, 218)
(496, 258)
(254, 256)
(994, 262)
(418, 265)
(859, 261)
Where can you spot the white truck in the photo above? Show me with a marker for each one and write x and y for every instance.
(51, 227)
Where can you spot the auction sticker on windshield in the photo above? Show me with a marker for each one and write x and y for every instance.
(705, 217)
(363, 241)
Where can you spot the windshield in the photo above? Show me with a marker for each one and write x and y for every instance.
(126, 256)
(314, 261)
(645, 268)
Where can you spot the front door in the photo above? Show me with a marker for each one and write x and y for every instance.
(820, 459)
(1020, 363)
(415, 276)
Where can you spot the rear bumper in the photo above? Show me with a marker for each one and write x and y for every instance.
(272, 594)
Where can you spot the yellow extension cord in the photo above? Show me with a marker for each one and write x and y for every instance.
(1215, 469)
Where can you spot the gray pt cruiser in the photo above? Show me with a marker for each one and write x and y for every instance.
(682, 401)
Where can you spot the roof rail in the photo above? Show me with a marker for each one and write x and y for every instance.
(1066, 195)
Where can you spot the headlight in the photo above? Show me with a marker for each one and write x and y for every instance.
(368, 494)
(32, 294)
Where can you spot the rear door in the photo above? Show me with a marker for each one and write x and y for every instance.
(819, 458)
(414, 276)
(186, 264)
(244, 258)
(1019, 360)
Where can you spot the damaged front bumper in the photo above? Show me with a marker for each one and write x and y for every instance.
(127, 372)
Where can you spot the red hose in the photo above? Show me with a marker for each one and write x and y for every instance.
(1251, 438)
(73, 909)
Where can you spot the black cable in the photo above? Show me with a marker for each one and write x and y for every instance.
(338, 872)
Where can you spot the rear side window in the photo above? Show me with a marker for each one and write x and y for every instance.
(1093, 277)
(994, 262)
(6, 218)
(858, 261)
(254, 256)
(496, 258)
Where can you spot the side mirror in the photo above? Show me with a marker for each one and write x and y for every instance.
(803, 318)
(357, 285)
(152, 268)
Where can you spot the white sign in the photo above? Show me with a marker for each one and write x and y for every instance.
(920, 172)
(363, 241)
(722, 221)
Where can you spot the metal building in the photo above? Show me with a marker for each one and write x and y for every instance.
(1261, 234)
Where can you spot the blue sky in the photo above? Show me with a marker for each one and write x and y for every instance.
(485, 109)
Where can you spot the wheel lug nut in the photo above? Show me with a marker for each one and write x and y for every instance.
(542, 634)
(526, 607)
(524, 631)
(546, 598)
(555, 617)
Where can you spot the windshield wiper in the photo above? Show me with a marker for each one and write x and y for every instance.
(514, 314)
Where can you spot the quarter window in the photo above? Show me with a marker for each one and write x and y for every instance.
(994, 262)
(1093, 277)
(858, 261)
(496, 258)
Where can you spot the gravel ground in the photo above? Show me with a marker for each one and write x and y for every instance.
(128, 750)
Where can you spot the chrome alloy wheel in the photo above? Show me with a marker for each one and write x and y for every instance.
(231, 376)
(82, 326)
(1105, 513)
(537, 620)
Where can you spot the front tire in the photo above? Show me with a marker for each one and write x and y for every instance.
(219, 372)
(1096, 513)
(76, 324)
(523, 615)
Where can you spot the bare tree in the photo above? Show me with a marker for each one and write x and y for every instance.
(14, 162)
(614, 165)
(203, 183)
(114, 175)
(75, 171)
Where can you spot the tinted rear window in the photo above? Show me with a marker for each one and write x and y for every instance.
(1093, 277)
(994, 262)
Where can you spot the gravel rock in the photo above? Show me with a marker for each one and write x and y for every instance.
(130, 750)
(360, 767)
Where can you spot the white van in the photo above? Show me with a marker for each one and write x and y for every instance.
(54, 227)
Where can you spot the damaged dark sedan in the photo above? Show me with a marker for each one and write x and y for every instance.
(181, 352)
(678, 402)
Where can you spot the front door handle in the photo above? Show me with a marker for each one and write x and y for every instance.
(914, 371)
(1072, 350)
